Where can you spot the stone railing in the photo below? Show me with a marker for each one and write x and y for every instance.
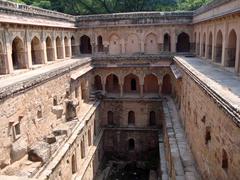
(211, 5)
(137, 18)
(6, 5)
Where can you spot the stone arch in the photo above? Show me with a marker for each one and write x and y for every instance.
(151, 44)
(183, 42)
(112, 84)
(152, 118)
(167, 84)
(110, 118)
(219, 47)
(210, 44)
(59, 48)
(18, 54)
(67, 47)
(50, 49)
(114, 45)
(100, 46)
(167, 43)
(131, 118)
(36, 51)
(85, 45)
(133, 44)
(231, 49)
(151, 84)
(204, 45)
(131, 84)
(74, 164)
(98, 83)
(73, 46)
(131, 144)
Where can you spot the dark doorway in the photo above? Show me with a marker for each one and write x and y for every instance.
(167, 43)
(100, 44)
(152, 118)
(85, 46)
(131, 118)
(131, 144)
(133, 85)
(183, 43)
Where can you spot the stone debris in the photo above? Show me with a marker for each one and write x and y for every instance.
(39, 152)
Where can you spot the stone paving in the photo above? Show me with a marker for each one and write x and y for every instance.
(183, 162)
(224, 83)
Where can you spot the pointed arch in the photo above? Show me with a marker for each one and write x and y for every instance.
(67, 47)
(210, 45)
(151, 84)
(59, 48)
(151, 44)
(50, 49)
(85, 45)
(133, 44)
(167, 43)
(131, 118)
(219, 47)
(18, 54)
(231, 49)
(36, 51)
(131, 84)
(73, 46)
(112, 84)
(183, 42)
(114, 45)
(100, 46)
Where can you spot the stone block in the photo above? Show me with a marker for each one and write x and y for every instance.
(18, 150)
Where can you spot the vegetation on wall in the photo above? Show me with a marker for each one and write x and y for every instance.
(77, 7)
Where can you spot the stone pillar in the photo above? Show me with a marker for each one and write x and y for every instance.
(173, 42)
(121, 90)
(141, 90)
(237, 54)
(224, 45)
(54, 47)
(28, 50)
(123, 46)
(160, 88)
(63, 47)
(44, 49)
(9, 63)
(142, 46)
(213, 45)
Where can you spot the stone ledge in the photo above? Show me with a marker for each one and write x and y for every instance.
(229, 108)
(16, 86)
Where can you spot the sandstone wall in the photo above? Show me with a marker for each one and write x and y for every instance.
(210, 131)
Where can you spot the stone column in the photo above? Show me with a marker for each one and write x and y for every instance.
(142, 46)
(28, 50)
(121, 90)
(237, 54)
(54, 47)
(160, 88)
(44, 49)
(63, 47)
(213, 45)
(224, 45)
(141, 90)
(173, 41)
(9, 63)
